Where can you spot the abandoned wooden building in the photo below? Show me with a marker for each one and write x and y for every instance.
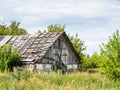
(44, 52)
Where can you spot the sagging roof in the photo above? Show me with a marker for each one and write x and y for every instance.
(34, 47)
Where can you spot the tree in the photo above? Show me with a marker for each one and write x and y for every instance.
(78, 44)
(12, 29)
(55, 28)
(15, 30)
(3, 29)
(8, 58)
(38, 32)
(93, 61)
(110, 53)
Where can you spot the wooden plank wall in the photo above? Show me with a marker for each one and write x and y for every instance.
(67, 56)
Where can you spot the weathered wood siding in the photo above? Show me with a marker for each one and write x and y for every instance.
(44, 51)
(60, 48)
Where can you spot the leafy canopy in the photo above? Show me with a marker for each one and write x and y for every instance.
(56, 28)
(78, 44)
(93, 61)
(12, 29)
(111, 55)
(8, 58)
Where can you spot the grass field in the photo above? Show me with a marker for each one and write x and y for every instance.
(24, 80)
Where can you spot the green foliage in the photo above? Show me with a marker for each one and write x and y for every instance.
(93, 61)
(44, 31)
(8, 58)
(78, 44)
(110, 53)
(39, 32)
(24, 80)
(55, 28)
(3, 29)
(13, 29)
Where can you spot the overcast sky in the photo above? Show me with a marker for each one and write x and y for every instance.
(93, 20)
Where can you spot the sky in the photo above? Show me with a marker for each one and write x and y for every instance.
(93, 20)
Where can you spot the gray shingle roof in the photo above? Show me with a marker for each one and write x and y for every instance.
(34, 47)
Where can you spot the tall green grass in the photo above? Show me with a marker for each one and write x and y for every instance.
(24, 80)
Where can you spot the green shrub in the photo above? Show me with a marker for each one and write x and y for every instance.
(93, 61)
(8, 58)
(110, 53)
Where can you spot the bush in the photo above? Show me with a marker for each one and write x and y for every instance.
(8, 58)
(92, 61)
(110, 53)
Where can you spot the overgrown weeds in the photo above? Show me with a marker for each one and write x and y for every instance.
(24, 80)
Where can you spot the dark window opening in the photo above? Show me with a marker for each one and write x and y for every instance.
(59, 42)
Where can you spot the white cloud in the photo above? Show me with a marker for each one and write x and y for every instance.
(94, 20)
(60, 9)
(1, 18)
(48, 10)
